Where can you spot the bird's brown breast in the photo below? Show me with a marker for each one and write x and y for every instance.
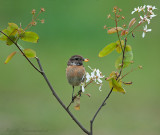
(75, 75)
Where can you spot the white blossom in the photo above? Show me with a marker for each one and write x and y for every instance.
(145, 30)
(144, 19)
(147, 16)
(150, 7)
(96, 76)
(142, 8)
(135, 10)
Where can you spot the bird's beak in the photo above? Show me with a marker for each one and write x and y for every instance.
(86, 60)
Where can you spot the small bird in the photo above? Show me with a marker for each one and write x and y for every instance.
(75, 71)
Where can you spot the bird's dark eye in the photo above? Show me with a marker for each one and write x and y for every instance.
(76, 58)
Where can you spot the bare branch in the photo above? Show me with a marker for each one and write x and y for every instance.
(104, 102)
(50, 86)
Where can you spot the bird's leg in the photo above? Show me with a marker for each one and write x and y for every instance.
(81, 91)
(73, 94)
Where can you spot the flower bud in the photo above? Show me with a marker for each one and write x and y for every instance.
(33, 11)
(124, 32)
(109, 16)
(120, 10)
(123, 17)
(114, 30)
(124, 25)
(42, 10)
(132, 22)
(118, 16)
(42, 21)
(34, 23)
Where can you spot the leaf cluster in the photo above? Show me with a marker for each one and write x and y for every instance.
(13, 33)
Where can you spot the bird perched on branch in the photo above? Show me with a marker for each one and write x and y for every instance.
(75, 71)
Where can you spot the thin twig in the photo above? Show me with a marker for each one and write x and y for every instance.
(78, 94)
(122, 59)
(104, 102)
(50, 86)
(118, 32)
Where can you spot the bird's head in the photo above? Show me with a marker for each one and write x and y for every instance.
(76, 60)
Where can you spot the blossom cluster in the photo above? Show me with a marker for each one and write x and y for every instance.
(148, 15)
(95, 76)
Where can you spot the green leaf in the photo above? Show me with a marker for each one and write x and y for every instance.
(29, 36)
(127, 59)
(112, 75)
(107, 50)
(118, 47)
(29, 53)
(128, 48)
(9, 57)
(12, 28)
(2, 36)
(122, 42)
(10, 31)
(117, 86)
(9, 42)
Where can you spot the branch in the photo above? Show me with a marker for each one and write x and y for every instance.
(104, 102)
(122, 59)
(78, 94)
(50, 86)
(118, 32)
(22, 52)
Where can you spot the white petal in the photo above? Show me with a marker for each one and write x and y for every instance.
(98, 73)
(145, 27)
(144, 6)
(97, 83)
(93, 74)
(88, 77)
(83, 88)
(153, 8)
(143, 34)
(141, 17)
(148, 21)
(100, 87)
(151, 16)
(90, 68)
(132, 12)
(99, 80)
(148, 30)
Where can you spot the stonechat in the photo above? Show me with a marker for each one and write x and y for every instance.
(75, 71)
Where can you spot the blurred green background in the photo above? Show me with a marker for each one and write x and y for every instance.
(71, 27)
